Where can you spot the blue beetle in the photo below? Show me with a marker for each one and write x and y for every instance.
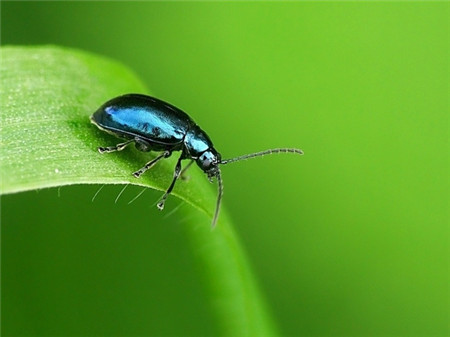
(154, 125)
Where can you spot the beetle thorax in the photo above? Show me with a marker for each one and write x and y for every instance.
(196, 142)
(200, 148)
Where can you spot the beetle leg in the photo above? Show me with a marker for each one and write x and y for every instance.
(142, 145)
(183, 172)
(118, 147)
(176, 174)
(152, 162)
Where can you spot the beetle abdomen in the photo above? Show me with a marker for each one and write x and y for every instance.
(143, 116)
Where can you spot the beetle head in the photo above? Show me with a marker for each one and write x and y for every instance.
(209, 162)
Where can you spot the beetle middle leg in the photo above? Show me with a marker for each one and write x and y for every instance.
(118, 147)
(176, 174)
(149, 165)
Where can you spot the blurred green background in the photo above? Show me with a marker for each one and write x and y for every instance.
(351, 239)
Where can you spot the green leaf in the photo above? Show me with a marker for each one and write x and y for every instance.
(47, 96)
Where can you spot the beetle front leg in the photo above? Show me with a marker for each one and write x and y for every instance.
(118, 147)
(183, 172)
(176, 174)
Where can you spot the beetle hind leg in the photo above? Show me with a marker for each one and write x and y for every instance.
(142, 145)
(118, 147)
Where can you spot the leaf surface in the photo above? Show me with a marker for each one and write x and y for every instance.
(47, 140)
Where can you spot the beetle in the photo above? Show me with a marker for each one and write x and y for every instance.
(154, 125)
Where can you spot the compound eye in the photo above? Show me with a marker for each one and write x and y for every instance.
(206, 162)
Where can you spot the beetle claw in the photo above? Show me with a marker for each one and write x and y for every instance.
(160, 205)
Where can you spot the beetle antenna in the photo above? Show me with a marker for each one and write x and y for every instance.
(262, 153)
(219, 198)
